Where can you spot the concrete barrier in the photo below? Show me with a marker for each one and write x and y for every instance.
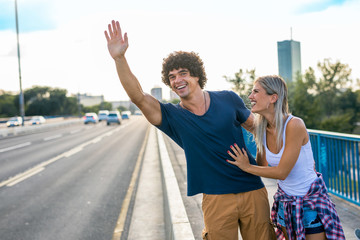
(14, 131)
(176, 217)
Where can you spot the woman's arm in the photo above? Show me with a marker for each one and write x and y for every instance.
(261, 158)
(296, 134)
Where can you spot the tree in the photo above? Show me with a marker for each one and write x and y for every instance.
(338, 123)
(335, 77)
(36, 92)
(105, 106)
(49, 101)
(8, 107)
(302, 98)
(243, 84)
(175, 101)
(122, 108)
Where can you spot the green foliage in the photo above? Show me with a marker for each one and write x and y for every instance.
(105, 106)
(49, 101)
(338, 123)
(122, 108)
(96, 108)
(302, 99)
(8, 105)
(328, 103)
(88, 109)
(175, 101)
(243, 83)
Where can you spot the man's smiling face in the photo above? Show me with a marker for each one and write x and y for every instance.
(182, 83)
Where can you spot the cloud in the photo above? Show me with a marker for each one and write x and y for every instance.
(318, 6)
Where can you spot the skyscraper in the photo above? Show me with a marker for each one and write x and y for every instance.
(157, 93)
(289, 59)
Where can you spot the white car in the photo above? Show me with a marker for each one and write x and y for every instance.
(91, 118)
(14, 122)
(37, 120)
(103, 115)
(113, 117)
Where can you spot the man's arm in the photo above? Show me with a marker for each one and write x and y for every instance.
(117, 46)
(249, 123)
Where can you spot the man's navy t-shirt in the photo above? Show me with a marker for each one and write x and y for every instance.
(206, 140)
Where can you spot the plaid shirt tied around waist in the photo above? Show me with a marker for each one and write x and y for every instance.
(316, 199)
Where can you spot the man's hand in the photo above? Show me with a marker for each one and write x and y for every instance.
(117, 44)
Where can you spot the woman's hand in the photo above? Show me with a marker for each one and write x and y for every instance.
(240, 156)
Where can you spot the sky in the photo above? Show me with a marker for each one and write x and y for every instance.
(62, 42)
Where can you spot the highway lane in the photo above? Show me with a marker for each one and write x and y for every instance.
(72, 180)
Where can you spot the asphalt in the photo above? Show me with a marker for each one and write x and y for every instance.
(163, 211)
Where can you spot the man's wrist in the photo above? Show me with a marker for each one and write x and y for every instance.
(119, 58)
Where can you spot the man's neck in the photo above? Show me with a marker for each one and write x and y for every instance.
(197, 104)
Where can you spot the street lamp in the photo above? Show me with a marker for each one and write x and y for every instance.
(21, 95)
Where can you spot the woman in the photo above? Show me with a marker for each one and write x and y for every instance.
(302, 208)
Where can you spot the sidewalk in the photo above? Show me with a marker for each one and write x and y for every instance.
(159, 211)
(150, 208)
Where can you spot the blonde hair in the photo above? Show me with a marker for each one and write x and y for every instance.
(272, 84)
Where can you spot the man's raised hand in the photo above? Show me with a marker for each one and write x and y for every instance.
(117, 44)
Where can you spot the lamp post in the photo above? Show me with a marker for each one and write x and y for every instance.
(21, 95)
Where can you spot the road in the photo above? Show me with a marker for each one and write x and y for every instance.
(67, 183)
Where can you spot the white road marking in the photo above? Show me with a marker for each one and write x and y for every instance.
(53, 137)
(73, 151)
(15, 147)
(75, 131)
(98, 139)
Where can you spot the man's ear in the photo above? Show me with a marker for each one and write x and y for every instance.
(274, 98)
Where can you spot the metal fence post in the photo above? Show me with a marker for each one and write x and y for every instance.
(323, 163)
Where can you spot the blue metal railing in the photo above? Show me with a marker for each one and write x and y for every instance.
(337, 158)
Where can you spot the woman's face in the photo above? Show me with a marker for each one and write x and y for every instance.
(260, 100)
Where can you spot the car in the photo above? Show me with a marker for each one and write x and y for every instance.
(37, 120)
(103, 114)
(14, 122)
(125, 115)
(91, 118)
(137, 112)
(113, 117)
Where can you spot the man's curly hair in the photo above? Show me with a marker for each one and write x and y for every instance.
(189, 60)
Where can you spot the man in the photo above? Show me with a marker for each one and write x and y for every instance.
(204, 124)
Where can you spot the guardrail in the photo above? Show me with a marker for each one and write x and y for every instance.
(337, 157)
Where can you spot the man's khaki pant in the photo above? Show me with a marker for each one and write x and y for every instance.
(249, 211)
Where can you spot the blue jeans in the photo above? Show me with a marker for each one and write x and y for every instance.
(311, 220)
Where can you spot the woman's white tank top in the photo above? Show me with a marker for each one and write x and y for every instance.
(302, 175)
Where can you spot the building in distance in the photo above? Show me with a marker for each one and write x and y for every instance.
(156, 92)
(173, 95)
(89, 100)
(289, 59)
